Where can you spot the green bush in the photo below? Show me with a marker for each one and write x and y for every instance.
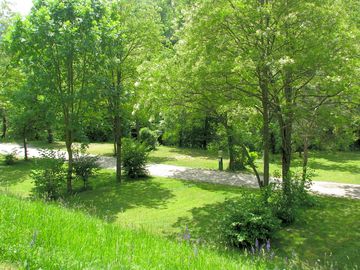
(49, 178)
(286, 207)
(149, 138)
(10, 158)
(85, 166)
(134, 158)
(248, 221)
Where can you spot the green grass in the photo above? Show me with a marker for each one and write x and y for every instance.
(342, 167)
(165, 207)
(35, 235)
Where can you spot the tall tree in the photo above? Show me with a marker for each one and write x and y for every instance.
(131, 34)
(58, 43)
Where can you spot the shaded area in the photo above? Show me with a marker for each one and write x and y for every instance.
(331, 230)
(108, 198)
(16, 173)
(332, 227)
(205, 221)
(158, 160)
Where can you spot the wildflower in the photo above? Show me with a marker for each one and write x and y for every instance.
(268, 245)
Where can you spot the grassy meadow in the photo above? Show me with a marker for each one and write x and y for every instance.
(162, 208)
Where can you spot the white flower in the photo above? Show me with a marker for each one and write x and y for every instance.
(286, 60)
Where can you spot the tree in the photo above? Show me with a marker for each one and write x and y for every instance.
(130, 35)
(58, 43)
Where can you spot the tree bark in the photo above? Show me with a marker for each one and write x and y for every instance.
(50, 137)
(266, 130)
(305, 158)
(68, 143)
(230, 140)
(4, 126)
(118, 147)
(285, 118)
(25, 146)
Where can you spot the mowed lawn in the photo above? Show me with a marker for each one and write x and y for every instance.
(342, 167)
(167, 206)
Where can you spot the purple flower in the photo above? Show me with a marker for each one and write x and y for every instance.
(257, 244)
(268, 245)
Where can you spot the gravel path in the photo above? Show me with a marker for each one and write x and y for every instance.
(210, 176)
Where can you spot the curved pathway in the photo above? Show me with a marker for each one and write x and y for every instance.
(210, 176)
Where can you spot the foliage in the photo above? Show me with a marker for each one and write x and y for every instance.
(135, 157)
(286, 208)
(49, 178)
(149, 138)
(85, 165)
(248, 221)
(10, 158)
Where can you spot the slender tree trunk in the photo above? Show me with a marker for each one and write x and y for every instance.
(68, 143)
(252, 165)
(206, 132)
(25, 146)
(114, 133)
(230, 140)
(4, 126)
(285, 122)
(305, 158)
(266, 132)
(50, 137)
(118, 147)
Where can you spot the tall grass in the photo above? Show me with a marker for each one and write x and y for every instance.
(35, 235)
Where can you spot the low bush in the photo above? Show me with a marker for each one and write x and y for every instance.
(85, 166)
(10, 158)
(285, 207)
(149, 138)
(49, 178)
(134, 158)
(248, 221)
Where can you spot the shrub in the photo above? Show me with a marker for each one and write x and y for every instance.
(135, 156)
(285, 207)
(49, 179)
(149, 138)
(85, 166)
(10, 158)
(248, 221)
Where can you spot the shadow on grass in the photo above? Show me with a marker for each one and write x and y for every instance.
(16, 173)
(353, 169)
(108, 198)
(195, 153)
(160, 160)
(331, 228)
(204, 223)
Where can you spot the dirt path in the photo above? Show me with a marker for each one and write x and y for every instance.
(210, 176)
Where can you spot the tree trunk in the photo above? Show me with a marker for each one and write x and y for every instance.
(252, 165)
(230, 140)
(118, 147)
(4, 126)
(206, 132)
(114, 134)
(68, 142)
(285, 118)
(25, 146)
(305, 158)
(266, 132)
(50, 137)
